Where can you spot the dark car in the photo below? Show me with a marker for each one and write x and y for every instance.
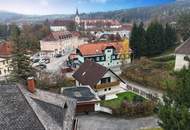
(58, 55)
(35, 60)
(42, 66)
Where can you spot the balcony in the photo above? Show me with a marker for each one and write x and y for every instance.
(107, 85)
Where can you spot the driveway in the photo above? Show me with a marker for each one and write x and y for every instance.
(98, 121)
(56, 63)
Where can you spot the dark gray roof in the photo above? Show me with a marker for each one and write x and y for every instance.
(184, 48)
(80, 93)
(22, 110)
(15, 112)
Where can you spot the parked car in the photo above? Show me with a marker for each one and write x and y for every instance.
(45, 60)
(58, 55)
(35, 60)
(42, 66)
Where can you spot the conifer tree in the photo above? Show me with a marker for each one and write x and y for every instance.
(20, 61)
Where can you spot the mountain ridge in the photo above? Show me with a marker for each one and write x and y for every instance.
(167, 12)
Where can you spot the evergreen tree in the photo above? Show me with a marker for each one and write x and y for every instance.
(135, 42)
(20, 60)
(174, 111)
(155, 39)
(142, 38)
(170, 36)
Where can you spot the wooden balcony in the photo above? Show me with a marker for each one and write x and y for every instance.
(107, 85)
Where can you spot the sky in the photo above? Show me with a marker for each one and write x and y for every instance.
(44, 7)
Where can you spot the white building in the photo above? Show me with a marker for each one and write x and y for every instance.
(104, 81)
(5, 59)
(182, 52)
(60, 42)
(103, 53)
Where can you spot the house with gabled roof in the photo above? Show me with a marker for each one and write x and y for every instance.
(103, 80)
(182, 53)
(107, 54)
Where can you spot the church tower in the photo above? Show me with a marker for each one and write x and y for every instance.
(77, 17)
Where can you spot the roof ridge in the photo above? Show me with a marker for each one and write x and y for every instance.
(25, 98)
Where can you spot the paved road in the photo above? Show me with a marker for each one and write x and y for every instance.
(56, 63)
(106, 122)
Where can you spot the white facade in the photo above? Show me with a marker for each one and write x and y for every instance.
(180, 62)
(4, 68)
(60, 46)
(58, 28)
(107, 59)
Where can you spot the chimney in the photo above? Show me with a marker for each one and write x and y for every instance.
(31, 86)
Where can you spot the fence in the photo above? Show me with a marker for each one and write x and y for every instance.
(142, 93)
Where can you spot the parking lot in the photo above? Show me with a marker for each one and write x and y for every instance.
(98, 121)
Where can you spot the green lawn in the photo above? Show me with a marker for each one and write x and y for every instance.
(116, 103)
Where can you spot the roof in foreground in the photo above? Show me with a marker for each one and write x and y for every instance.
(22, 110)
(184, 48)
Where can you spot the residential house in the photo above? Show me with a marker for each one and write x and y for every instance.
(22, 109)
(5, 59)
(59, 42)
(182, 53)
(103, 53)
(103, 80)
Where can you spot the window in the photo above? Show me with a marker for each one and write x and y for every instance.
(97, 58)
(109, 50)
(113, 57)
(102, 58)
(105, 80)
(118, 56)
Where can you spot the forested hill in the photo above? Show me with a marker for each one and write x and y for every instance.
(167, 12)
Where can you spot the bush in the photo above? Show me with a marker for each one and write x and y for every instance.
(136, 109)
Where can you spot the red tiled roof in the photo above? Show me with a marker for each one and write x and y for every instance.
(62, 22)
(58, 35)
(98, 48)
(108, 22)
(5, 49)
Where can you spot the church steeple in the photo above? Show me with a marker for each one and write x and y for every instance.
(77, 12)
(77, 17)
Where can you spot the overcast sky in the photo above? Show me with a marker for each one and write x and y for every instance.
(42, 7)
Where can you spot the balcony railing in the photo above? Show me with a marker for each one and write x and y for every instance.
(107, 85)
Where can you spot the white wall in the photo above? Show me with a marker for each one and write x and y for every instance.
(180, 62)
(60, 45)
(58, 28)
